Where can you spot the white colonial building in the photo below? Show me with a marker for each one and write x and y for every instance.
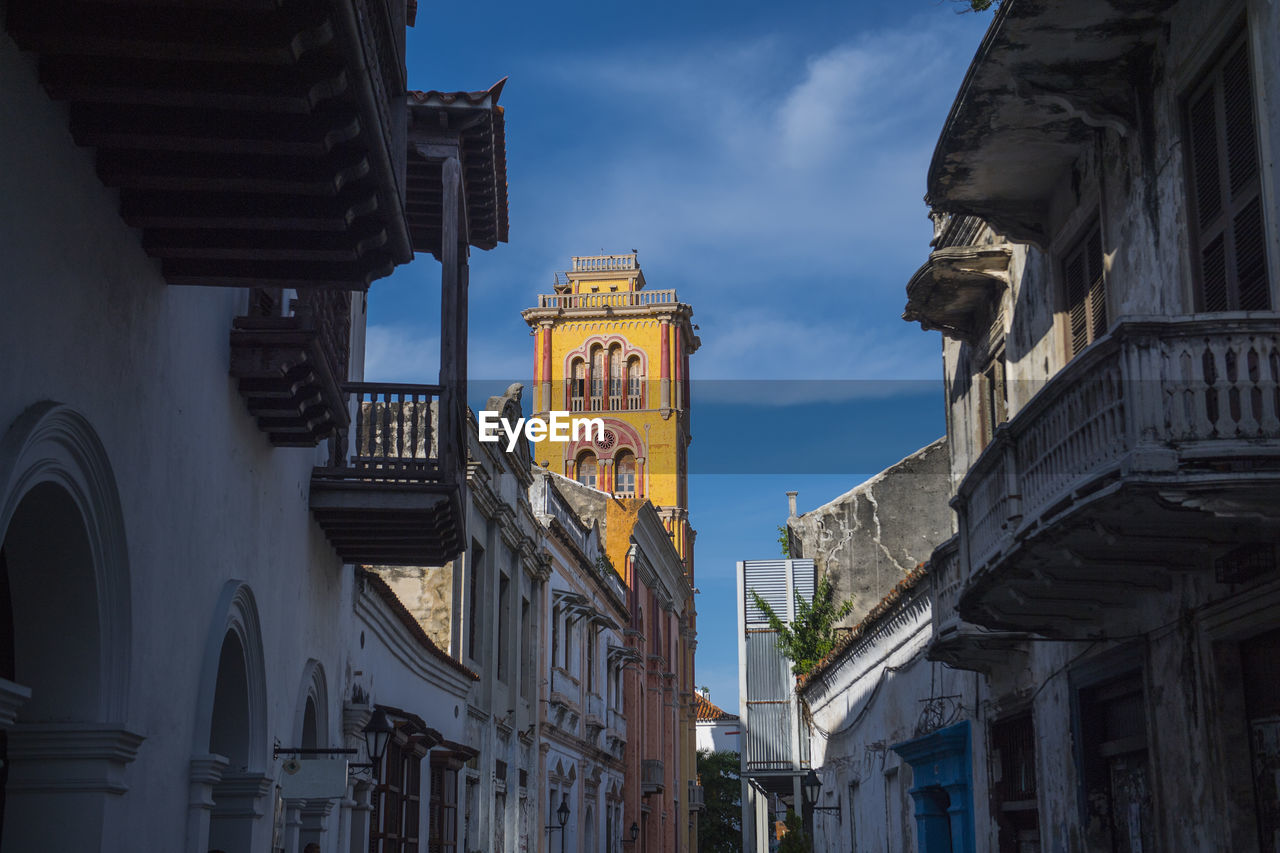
(188, 469)
(1106, 272)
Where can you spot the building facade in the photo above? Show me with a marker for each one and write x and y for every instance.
(775, 743)
(606, 347)
(583, 720)
(187, 472)
(1104, 271)
(718, 730)
(487, 607)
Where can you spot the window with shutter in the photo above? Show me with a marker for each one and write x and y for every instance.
(1085, 291)
(1225, 185)
(995, 398)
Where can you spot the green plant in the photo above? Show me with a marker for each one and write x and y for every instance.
(720, 825)
(784, 541)
(812, 634)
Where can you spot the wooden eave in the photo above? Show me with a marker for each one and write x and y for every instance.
(1046, 77)
(475, 123)
(251, 141)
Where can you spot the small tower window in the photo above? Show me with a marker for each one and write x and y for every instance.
(615, 377)
(597, 379)
(634, 381)
(625, 467)
(587, 469)
(577, 385)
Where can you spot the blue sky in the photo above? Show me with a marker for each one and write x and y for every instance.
(769, 164)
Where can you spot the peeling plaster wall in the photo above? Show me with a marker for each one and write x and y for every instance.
(1184, 643)
(870, 537)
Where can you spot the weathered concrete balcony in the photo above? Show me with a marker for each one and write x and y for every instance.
(697, 797)
(396, 500)
(290, 367)
(954, 290)
(623, 299)
(1155, 451)
(252, 143)
(955, 642)
(652, 780)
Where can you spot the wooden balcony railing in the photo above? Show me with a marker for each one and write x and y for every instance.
(396, 431)
(621, 299)
(392, 494)
(1154, 401)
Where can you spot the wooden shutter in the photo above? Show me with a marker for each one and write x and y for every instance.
(1226, 187)
(1086, 291)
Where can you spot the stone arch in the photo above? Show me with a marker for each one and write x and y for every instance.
(67, 622)
(313, 694)
(626, 438)
(229, 791)
(52, 455)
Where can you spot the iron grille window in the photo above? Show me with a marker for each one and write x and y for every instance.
(1225, 183)
(443, 808)
(398, 800)
(1013, 789)
(995, 398)
(1116, 777)
(1085, 290)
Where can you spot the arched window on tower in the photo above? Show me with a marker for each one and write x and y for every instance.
(587, 468)
(597, 378)
(577, 385)
(635, 382)
(624, 464)
(615, 377)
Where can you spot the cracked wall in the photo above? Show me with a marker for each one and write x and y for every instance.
(870, 537)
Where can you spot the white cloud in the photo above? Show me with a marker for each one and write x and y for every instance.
(404, 354)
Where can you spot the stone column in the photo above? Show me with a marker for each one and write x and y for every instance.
(314, 822)
(664, 374)
(239, 802)
(548, 402)
(361, 813)
(205, 772)
(640, 489)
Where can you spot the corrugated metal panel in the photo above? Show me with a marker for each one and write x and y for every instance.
(805, 578)
(768, 674)
(768, 579)
(769, 744)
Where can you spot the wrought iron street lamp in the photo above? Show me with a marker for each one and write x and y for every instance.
(377, 734)
(811, 785)
(562, 815)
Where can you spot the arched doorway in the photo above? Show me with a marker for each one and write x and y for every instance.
(229, 787)
(64, 635)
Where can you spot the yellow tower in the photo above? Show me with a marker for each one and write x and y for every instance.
(604, 347)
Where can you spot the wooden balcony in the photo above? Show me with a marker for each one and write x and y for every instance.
(254, 143)
(396, 499)
(1155, 451)
(290, 367)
